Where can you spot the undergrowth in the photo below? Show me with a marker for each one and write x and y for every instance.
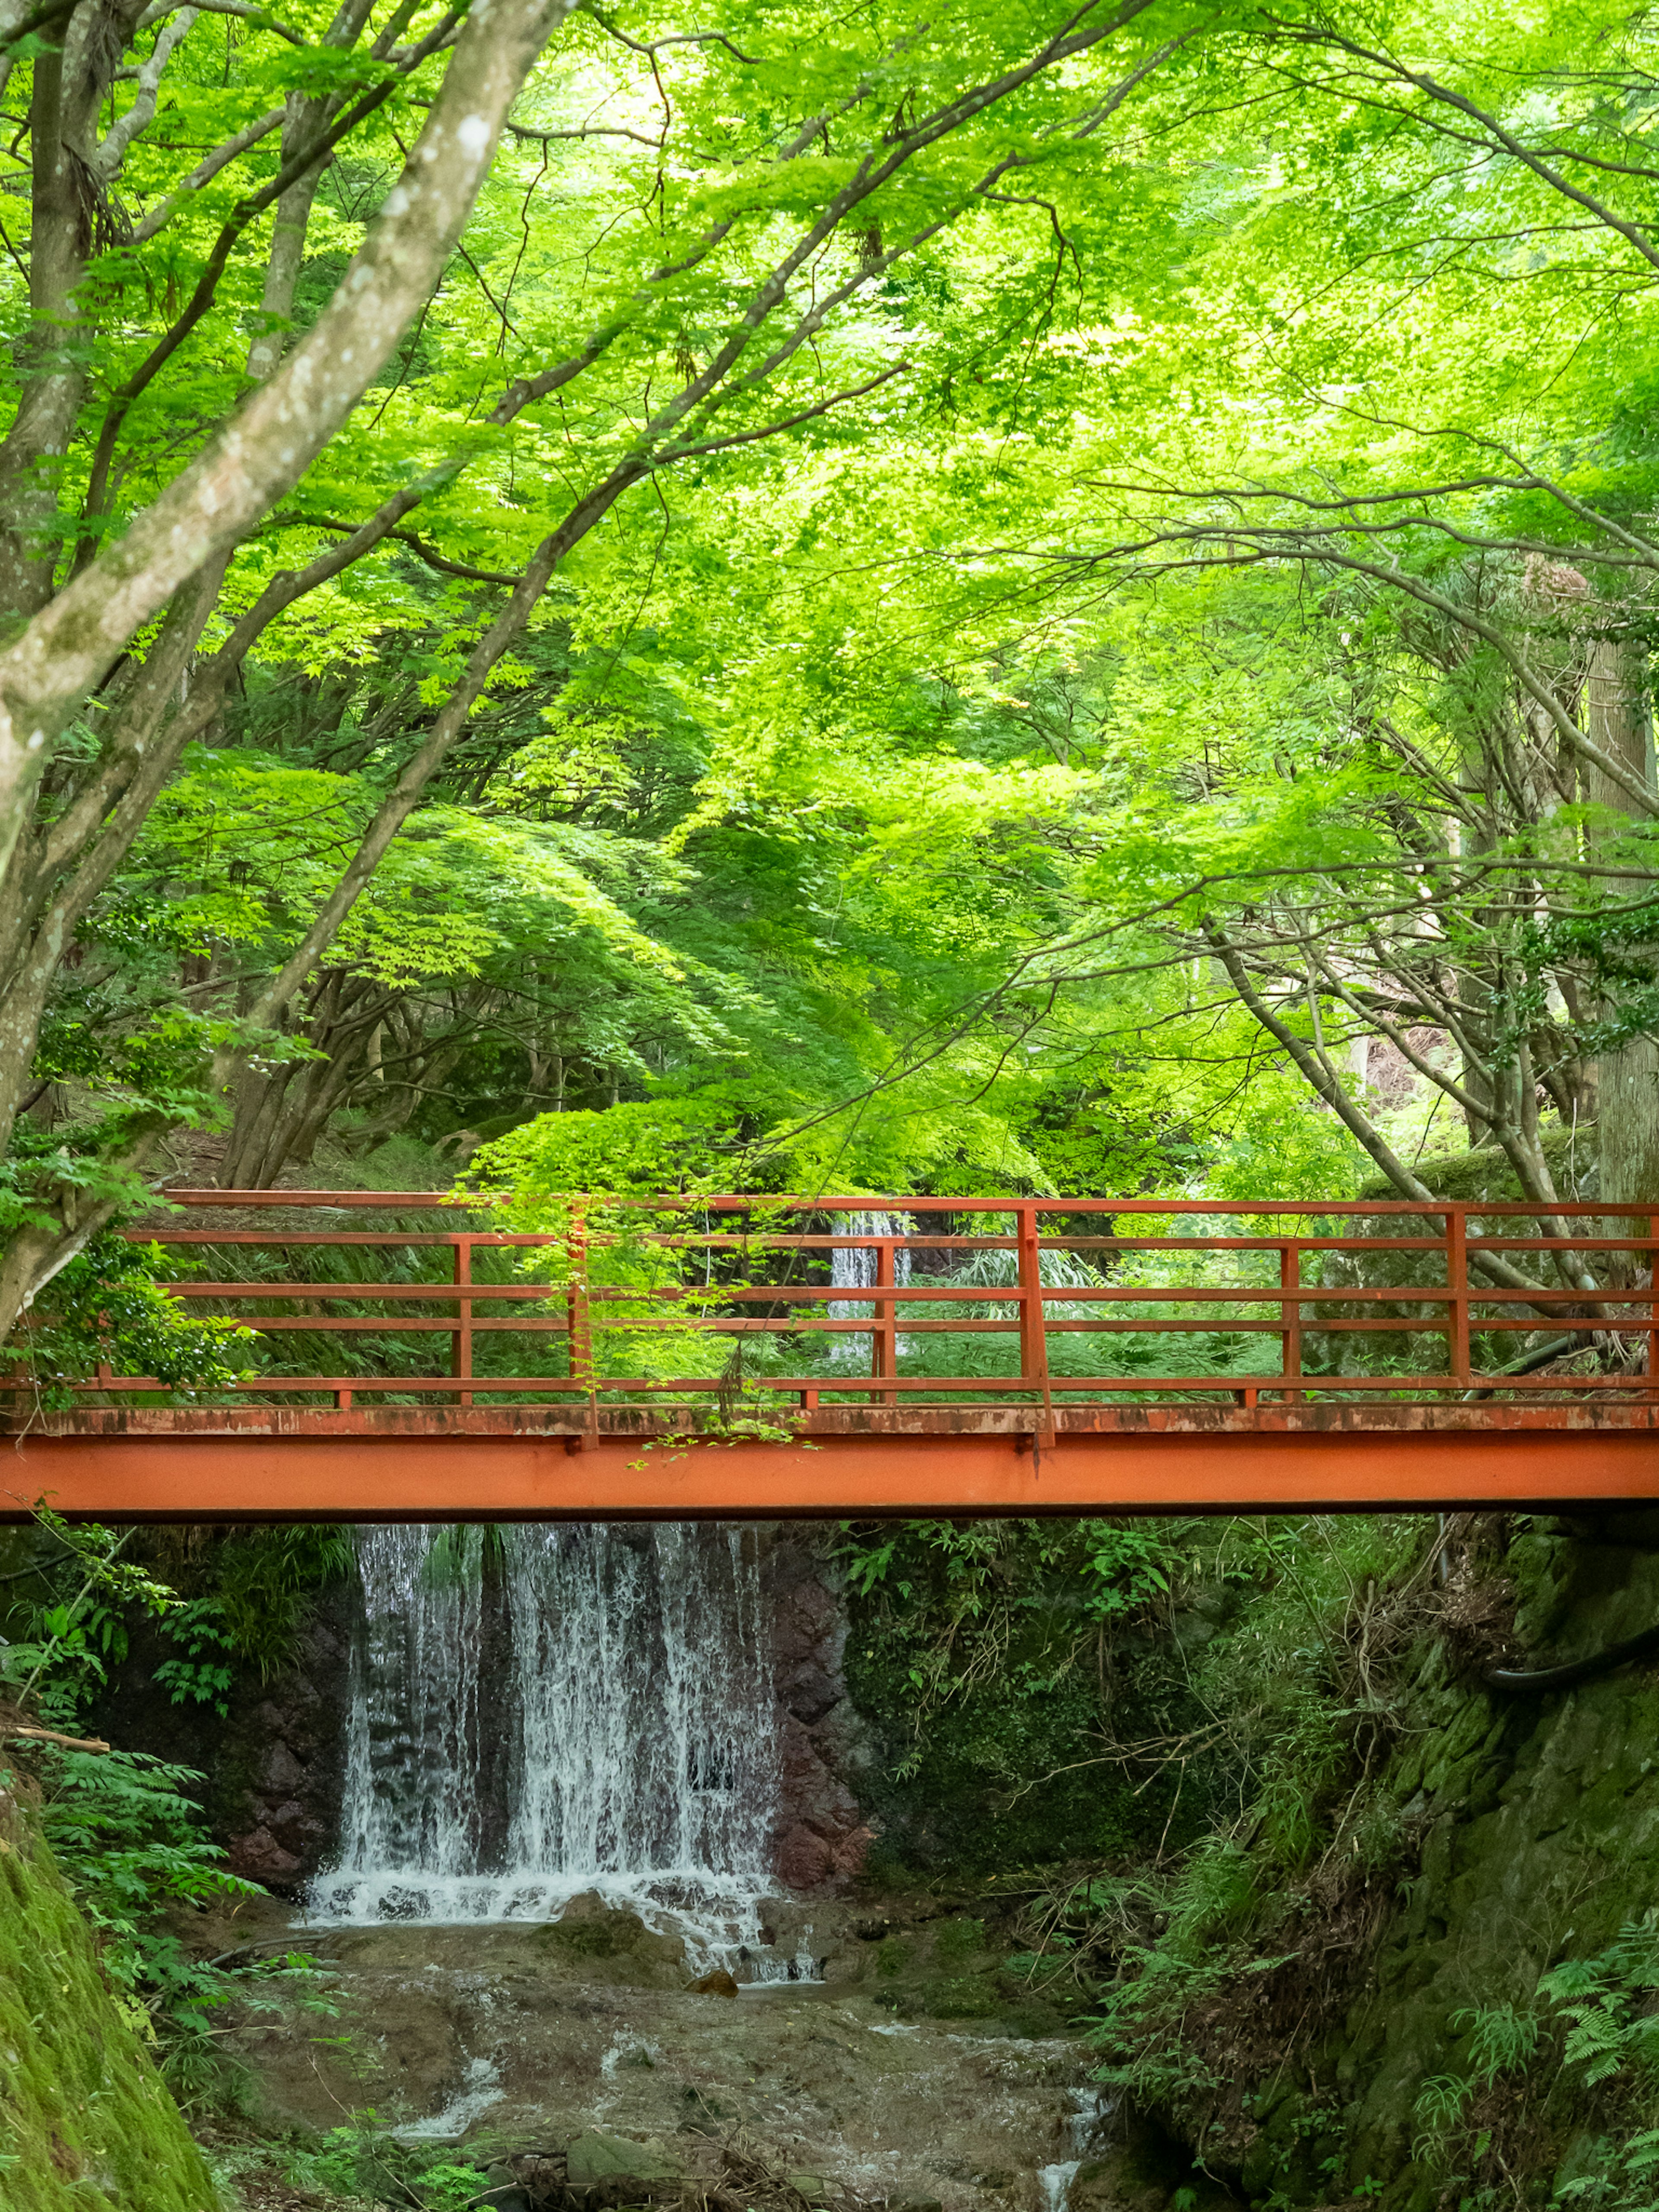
(1221, 1963)
(124, 1827)
(1238, 1691)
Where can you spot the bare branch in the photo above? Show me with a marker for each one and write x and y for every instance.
(108, 157)
(428, 554)
(261, 18)
(1317, 1075)
(540, 138)
(205, 171)
(1499, 133)
(786, 422)
(207, 285)
(1397, 579)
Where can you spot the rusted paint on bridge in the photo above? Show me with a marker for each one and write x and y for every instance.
(1335, 1423)
(275, 1464)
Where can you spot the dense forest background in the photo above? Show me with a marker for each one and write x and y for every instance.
(1048, 598)
(1038, 600)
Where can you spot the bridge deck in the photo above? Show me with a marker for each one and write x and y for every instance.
(819, 1339)
(402, 1463)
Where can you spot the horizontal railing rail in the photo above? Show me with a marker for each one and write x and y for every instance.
(747, 1308)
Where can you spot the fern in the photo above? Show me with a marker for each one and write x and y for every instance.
(1501, 2038)
(1605, 2000)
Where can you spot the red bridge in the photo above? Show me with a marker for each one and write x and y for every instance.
(715, 1356)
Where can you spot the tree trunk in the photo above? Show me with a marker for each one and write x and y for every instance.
(1627, 1112)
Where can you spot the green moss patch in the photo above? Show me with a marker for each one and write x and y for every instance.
(86, 2125)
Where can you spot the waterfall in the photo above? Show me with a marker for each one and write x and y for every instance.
(855, 1269)
(589, 1709)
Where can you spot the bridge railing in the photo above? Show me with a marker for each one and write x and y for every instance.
(733, 1306)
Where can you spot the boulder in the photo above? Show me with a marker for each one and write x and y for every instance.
(593, 1940)
(595, 2158)
(720, 1983)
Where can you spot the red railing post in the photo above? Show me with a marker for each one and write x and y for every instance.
(884, 1338)
(581, 1316)
(1457, 1282)
(1033, 1328)
(460, 1359)
(1289, 1314)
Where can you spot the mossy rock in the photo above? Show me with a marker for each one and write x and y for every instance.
(86, 2124)
(1485, 1171)
(588, 1939)
(589, 1932)
(594, 2158)
(957, 1941)
(1034, 2019)
(1147, 2172)
(960, 1997)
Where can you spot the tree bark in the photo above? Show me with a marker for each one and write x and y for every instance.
(1627, 1089)
(70, 84)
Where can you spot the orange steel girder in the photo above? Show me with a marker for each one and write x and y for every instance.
(504, 1477)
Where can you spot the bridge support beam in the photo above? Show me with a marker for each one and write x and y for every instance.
(243, 1477)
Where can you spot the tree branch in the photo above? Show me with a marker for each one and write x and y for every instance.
(205, 171)
(259, 456)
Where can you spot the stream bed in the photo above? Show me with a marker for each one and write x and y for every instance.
(522, 2036)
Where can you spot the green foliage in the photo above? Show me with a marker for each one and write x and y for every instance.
(1611, 2045)
(129, 1841)
(869, 807)
(1501, 2038)
(364, 2161)
(1607, 1999)
(107, 1306)
(69, 1643)
(128, 1837)
(1254, 1730)
(982, 1650)
(265, 1584)
(204, 1674)
(267, 1581)
(1623, 2175)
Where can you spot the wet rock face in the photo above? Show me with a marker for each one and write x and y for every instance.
(274, 1762)
(822, 1835)
(280, 1771)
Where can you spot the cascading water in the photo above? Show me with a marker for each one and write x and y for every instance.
(853, 1269)
(1092, 2110)
(593, 1713)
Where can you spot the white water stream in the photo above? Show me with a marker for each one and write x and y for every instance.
(592, 1711)
(1092, 2110)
